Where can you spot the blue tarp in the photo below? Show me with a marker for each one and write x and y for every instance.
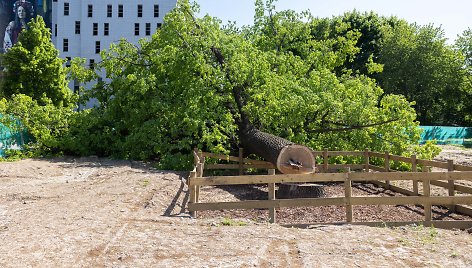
(446, 135)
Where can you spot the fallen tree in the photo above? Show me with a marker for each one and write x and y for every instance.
(289, 158)
(271, 89)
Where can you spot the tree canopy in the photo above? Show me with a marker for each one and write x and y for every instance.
(35, 90)
(412, 60)
(345, 83)
(192, 83)
(33, 67)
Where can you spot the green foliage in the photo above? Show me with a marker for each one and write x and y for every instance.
(231, 222)
(88, 134)
(464, 46)
(194, 80)
(421, 66)
(429, 150)
(35, 92)
(15, 155)
(33, 67)
(411, 60)
(45, 122)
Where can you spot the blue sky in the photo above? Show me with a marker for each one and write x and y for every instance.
(454, 16)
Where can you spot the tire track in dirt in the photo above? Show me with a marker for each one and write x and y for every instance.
(281, 253)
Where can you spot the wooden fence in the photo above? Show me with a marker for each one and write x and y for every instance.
(458, 194)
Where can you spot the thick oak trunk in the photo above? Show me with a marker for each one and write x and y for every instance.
(289, 158)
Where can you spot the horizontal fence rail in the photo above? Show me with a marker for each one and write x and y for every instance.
(378, 175)
(247, 163)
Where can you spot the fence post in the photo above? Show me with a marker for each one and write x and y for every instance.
(325, 160)
(348, 195)
(199, 175)
(196, 159)
(428, 212)
(200, 155)
(193, 194)
(366, 160)
(272, 214)
(387, 169)
(241, 161)
(414, 168)
(450, 183)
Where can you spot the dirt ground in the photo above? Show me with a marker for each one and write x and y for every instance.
(91, 212)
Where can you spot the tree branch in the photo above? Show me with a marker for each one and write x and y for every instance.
(348, 128)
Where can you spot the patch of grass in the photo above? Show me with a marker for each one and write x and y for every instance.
(231, 222)
(418, 234)
(430, 236)
(426, 235)
(404, 241)
(454, 254)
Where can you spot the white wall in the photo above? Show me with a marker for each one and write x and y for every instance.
(83, 44)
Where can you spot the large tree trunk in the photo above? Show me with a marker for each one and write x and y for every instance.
(289, 158)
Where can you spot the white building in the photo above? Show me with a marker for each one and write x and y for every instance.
(82, 28)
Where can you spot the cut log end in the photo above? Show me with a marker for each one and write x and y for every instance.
(296, 159)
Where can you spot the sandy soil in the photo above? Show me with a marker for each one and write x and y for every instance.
(91, 212)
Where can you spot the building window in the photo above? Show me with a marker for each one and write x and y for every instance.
(109, 11)
(65, 45)
(159, 25)
(92, 64)
(90, 11)
(106, 28)
(136, 29)
(54, 0)
(77, 27)
(140, 11)
(68, 61)
(156, 11)
(95, 28)
(66, 9)
(76, 86)
(97, 47)
(120, 11)
(55, 29)
(148, 28)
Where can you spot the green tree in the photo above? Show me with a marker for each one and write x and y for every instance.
(33, 67)
(35, 90)
(408, 59)
(464, 45)
(195, 82)
(419, 64)
(370, 28)
(45, 122)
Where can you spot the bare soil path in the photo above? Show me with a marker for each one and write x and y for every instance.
(92, 212)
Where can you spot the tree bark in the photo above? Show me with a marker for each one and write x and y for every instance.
(288, 157)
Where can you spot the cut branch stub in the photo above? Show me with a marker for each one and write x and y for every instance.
(289, 158)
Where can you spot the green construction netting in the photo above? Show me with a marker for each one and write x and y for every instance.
(12, 139)
(447, 135)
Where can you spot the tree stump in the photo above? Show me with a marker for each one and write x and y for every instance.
(300, 190)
